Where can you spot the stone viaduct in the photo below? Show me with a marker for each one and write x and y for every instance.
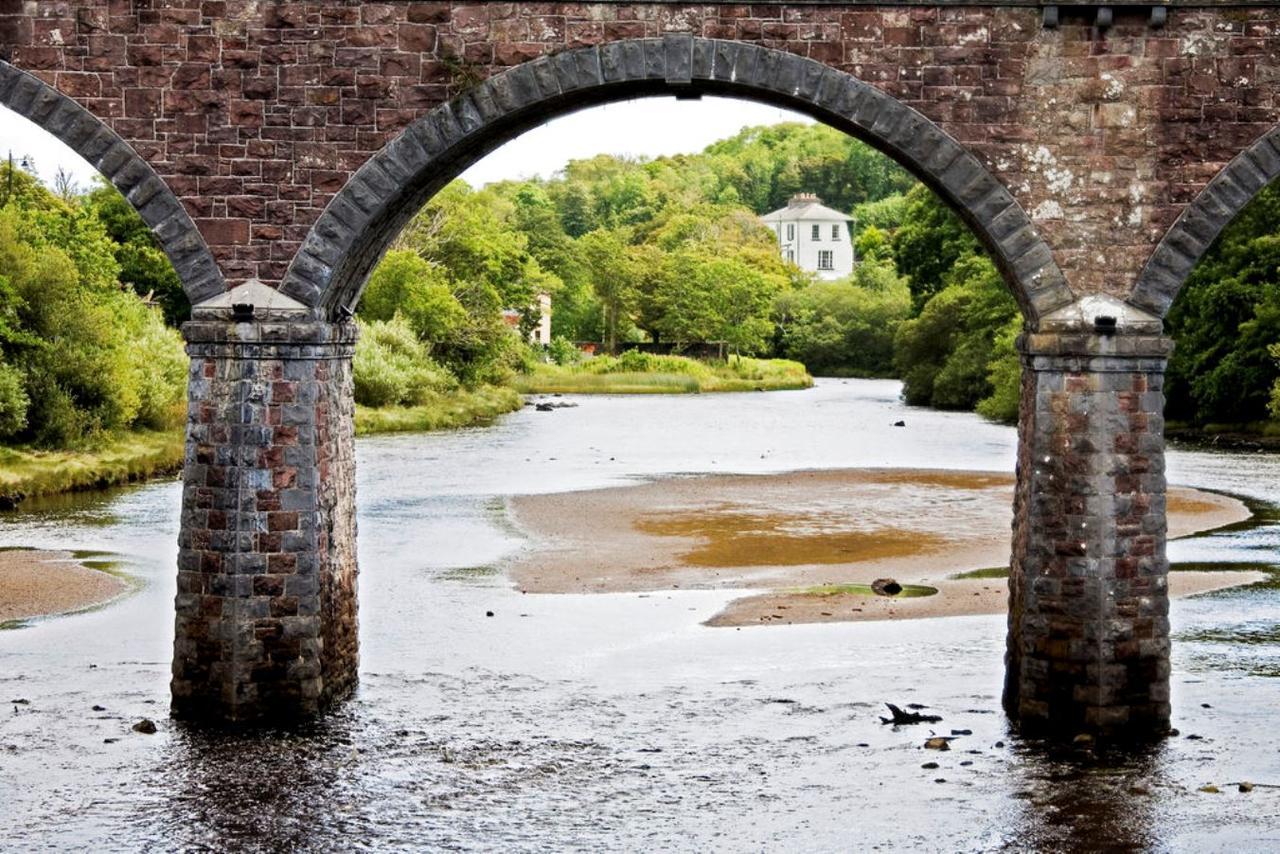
(275, 148)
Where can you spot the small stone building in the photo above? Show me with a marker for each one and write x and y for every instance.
(813, 236)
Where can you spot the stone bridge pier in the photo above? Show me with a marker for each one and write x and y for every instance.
(266, 604)
(1088, 642)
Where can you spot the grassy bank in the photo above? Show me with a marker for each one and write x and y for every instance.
(27, 472)
(444, 411)
(639, 373)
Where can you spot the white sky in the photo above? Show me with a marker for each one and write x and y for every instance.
(646, 127)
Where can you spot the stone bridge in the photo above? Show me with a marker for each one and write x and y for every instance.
(276, 148)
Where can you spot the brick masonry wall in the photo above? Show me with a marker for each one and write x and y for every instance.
(1088, 646)
(256, 114)
(266, 605)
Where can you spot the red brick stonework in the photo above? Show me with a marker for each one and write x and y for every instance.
(255, 114)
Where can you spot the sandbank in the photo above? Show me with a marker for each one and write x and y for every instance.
(784, 538)
(37, 583)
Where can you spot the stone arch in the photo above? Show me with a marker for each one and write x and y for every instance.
(1202, 221)
(115, 159)
(361, 221)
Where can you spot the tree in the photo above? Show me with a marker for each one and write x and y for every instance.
(1225, 321)
(613, 278)
(944, 355)
(847, 327)
(929, 243)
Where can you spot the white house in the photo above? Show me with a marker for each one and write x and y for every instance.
(813, 236)
(540, 334)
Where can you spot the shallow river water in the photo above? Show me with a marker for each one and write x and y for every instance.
(618, 721)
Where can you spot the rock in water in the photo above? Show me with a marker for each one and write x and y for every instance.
(886, 587)
(146, 726)
(938, 742)
(544, 407)
(1245, 787)
(900, 717)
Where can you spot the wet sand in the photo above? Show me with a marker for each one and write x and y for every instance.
(37, 583)
(785, 537)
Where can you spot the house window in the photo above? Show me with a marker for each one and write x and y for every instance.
(824, 260)
(791, 231)
(791, 256)
(835, 232)
(817, 232)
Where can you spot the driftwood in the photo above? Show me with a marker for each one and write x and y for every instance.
(900, 717)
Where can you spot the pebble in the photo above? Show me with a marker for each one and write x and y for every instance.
(937, 743)
(146, 726)
(929, 765)
(1245, 787)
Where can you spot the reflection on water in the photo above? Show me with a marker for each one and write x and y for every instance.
(617, 721)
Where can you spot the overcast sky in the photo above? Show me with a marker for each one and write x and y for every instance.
(646, 127)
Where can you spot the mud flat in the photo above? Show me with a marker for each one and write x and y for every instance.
(807, 544)
(36, 583)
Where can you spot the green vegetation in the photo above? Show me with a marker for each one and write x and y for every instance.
(665, 256)
(461, 407)
(27, 472)
(641, 373)
(82, 358)
(1226, 323)
(986, 572)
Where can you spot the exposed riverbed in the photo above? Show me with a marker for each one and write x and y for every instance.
(618, 720)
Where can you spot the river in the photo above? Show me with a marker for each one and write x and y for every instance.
(617, 721)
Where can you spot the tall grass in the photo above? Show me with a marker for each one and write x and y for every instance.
(642, 373)
(28, 472)
(440, 411)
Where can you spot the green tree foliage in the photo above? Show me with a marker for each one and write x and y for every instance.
(453, 271)
(846, 328)
(1225, 322)
(945, 355)
(929, 243)
(80, 354)
(408, 285)
(765, 166)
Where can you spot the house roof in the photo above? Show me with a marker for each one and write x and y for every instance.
(805, 208)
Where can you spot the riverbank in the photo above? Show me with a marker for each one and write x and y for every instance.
(31, 472)
(36, 583)
(805, 537)
(641, 373)
(1255, 436)
(444, 411)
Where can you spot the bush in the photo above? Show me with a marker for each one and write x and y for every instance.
(392, 366)
(13, 401)
(564, 352)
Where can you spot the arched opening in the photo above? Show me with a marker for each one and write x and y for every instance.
(359, 224)
(1212, 281)
(87, 135)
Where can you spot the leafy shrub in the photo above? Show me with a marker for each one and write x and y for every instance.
(13, 401)
(563, 351)
(392, 366)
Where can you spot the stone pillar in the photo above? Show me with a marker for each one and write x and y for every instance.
(266, 604)
(1088, 644)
